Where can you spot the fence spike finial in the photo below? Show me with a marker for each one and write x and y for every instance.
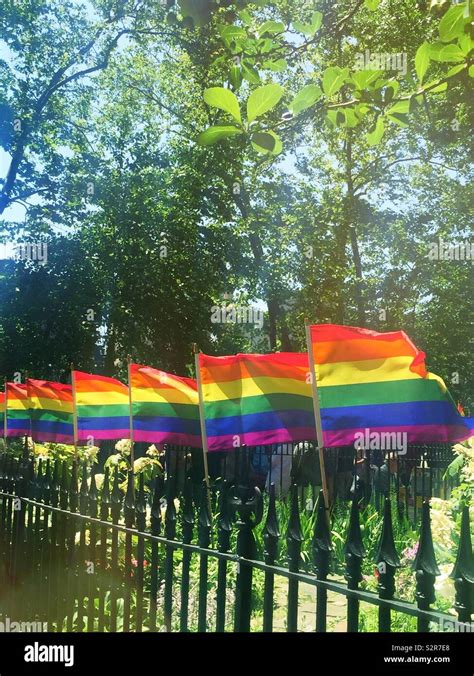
(426, 567)
(271, 530)
(386, 551)
(321, 544)
(425, 559)
(463, 571)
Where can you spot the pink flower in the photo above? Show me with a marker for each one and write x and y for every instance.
(410, 552)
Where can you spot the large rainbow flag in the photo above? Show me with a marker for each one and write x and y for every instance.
(165, 407)
(379, 382)
(17, 410)
(102, 407)
(51, 411)
(255, 399)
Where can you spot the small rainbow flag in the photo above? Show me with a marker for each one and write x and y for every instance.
(102, 407)
(165, 407)
(51, 411)
(255, 399)
(379, 382)
(17, 410)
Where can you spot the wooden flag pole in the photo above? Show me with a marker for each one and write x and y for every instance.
(74, 410)
(130, 403)
(202, 417)
(317, 414)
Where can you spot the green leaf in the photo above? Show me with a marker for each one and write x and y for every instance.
(422, 60)
(466, 44)
(316, 21)
(271, 27)
(399, 107)
(305, 98)
(440, 88)
(363, 78)
(452, 23)
(235, 76)
(213, 134)
(219, 97)
(446, 53)
(276, 66)
(245, 17)
(398, 118)
(333, 79)
(455, 70)
(331, 117)
(262, 100)
(375, 136)
(471, 71)
(309, 28)
(391, 90)
(250, 74)
(267, 142)
(372, 4)
(229, 33)
(351, 118)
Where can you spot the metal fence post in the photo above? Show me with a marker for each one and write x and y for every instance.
(321, 555)
(354, 551)
(387, 561)
(271, 535)
(463, 571)
(248, 504)
(426, 568)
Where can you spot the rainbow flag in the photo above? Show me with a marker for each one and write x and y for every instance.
(165, 407)
(379, 382)
(17, 410)
(102, 407)
(51, 411)
(256, 399)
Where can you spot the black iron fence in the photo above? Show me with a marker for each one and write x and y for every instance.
(131, 557)
(413, 477)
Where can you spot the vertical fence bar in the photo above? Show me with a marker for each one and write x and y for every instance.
(72, 582)
(170, 533)
(294, 538)
(155, 530)
(129, 514)
(52, 591)
(354, 552)
(116, 508)
(104, 515)
(248, 504)
(463, 571)
(271, 536)
(62, 572)
(82, 573)
(204, 538)
(140, 515)
(224, 529)
(426, 568)
(322, 549)
(387, 561)
(91, 564)
(187, 530)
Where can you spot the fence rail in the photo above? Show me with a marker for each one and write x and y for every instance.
(78, 559)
